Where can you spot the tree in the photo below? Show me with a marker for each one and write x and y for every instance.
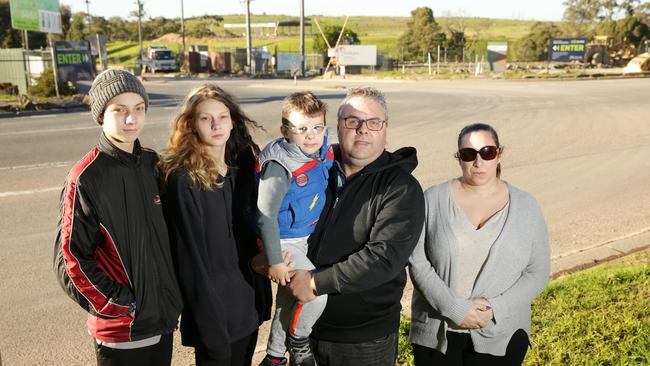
(100, 25)
(66, 17)
(422, 34)
(203, 27)
(534, 45)
(160, 26)
(332, 34)
(78, 27)
(120, 30)
(9, 38)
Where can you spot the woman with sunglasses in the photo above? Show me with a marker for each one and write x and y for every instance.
(481, 260)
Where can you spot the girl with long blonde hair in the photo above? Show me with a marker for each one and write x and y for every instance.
(210, 192)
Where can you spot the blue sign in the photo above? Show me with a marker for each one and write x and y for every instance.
(567, 49)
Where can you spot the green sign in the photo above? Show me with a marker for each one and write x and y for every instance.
(36, 15)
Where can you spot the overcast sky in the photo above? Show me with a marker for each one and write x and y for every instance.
(507, 9)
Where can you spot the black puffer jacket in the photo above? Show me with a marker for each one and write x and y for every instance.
(112, 253)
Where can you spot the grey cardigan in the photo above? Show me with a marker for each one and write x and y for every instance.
(515, 272)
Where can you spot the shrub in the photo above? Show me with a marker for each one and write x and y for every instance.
(44, 86)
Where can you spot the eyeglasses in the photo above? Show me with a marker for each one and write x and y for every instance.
(373, 124)
(301, 130)
(468, 154)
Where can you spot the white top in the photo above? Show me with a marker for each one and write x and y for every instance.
(473, 247)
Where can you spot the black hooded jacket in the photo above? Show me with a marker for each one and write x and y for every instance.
(112, 253)
(365, 235)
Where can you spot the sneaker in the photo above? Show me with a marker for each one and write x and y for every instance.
(273, 361)
(300, 352)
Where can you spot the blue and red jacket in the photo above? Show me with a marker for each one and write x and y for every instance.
(305, 199)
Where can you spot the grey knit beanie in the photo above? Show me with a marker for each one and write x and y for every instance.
(109, 84)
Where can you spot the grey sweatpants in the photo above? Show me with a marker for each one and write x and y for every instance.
(291, 317)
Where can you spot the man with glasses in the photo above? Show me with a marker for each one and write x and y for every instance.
(370, 224)
(293, 179)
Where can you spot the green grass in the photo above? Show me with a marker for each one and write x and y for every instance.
(600, 316)
(381, 31)
(8, 97)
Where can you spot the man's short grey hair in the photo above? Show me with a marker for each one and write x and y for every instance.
(367, 92)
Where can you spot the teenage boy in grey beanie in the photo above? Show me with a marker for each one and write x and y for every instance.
(112, 253)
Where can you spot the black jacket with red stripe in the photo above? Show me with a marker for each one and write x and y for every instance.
(112, 253)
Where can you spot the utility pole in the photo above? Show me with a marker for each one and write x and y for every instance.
(302, 38)
(25, 39)
(90, 18)
(140, 31)
(249, 42)
(182, 35)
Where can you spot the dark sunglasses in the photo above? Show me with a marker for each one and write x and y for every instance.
(468, 154)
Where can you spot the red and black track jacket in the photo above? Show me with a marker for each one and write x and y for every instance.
(112, 251)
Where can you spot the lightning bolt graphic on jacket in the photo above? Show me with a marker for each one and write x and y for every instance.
(313, 203)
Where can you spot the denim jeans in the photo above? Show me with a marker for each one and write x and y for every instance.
(378, 352)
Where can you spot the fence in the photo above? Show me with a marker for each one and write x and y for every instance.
(20, 67)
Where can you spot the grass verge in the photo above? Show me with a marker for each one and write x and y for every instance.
(600, 316)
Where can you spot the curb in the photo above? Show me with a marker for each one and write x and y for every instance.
(42, 112)
(604, 252)
(163, 102)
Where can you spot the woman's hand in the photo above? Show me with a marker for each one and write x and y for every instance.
(486, 313)
(279, 273)
(474, 319)
(478, 315)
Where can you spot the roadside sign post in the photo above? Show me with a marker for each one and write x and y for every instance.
(56, 79)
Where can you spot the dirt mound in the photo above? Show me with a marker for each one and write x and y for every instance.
(170, 37)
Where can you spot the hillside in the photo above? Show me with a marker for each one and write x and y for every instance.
(381, 31)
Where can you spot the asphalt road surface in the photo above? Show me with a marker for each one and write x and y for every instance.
(582, 148)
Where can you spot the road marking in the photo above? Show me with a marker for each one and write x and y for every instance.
(30, 132)
(44, 116)
(55, 164)
(30, 191)
(91, 127)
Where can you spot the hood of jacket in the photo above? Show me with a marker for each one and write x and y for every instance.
(406, 158)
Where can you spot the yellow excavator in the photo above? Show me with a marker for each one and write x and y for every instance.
(602, 51)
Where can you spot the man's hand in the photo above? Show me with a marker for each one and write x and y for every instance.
(279, 273)
(302, 285)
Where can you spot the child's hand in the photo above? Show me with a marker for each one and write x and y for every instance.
(279, 273)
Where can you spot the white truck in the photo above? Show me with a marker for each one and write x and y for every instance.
(158, 58)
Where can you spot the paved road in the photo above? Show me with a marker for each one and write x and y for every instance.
(580, 147)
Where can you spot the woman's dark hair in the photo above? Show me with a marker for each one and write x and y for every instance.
(475, 127)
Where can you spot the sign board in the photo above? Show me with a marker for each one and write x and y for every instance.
(356, 55)
(289, 62)
(73, 61)
(36, 15)
(567, 49)
(497, 56)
